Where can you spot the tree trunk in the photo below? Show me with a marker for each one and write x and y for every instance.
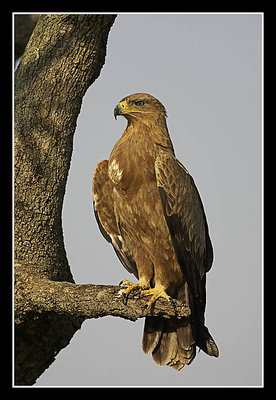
(63, 57)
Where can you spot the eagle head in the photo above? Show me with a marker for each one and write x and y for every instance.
(140, 106)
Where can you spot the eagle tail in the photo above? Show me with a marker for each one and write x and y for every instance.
(203, 338)
(170, 341)
(173, 341)
(205, 341)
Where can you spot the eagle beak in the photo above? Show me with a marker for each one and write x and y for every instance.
(117, 111)
(120, 109)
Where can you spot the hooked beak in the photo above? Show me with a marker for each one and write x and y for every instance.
(120, 109)
(117, 111)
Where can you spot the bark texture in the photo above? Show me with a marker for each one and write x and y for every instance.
(82, 301)
(62, 59)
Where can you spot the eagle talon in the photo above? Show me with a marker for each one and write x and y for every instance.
(136, 292)
(145, 308)
(173, 303)
(125, 283)
(125, 299)
(156, 292)
(132, 288)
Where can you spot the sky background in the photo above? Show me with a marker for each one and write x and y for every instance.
(207, 71)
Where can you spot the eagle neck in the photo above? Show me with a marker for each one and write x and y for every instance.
(155, 130)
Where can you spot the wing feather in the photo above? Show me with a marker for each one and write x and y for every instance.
(105, 216)
(184, 213)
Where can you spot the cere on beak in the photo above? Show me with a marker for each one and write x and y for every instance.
(120, 108)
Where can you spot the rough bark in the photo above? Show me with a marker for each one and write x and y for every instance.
(63, 57)
(82, 301)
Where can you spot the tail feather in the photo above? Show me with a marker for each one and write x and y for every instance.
(173, 341)
(166, 350)
(205, 341)
(171, 344)
(152, 333)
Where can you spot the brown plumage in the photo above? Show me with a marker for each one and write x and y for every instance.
(147, 205)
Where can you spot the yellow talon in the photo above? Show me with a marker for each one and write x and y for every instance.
(156, 292)
(130, 287)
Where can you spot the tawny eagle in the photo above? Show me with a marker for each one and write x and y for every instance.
(147, 205)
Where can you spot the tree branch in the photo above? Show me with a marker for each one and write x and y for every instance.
(36, 294)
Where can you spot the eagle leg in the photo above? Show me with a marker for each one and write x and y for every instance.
(156, 292)
(135, 288)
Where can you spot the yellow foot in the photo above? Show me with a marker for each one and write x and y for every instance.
(156, 292)
(131, 287)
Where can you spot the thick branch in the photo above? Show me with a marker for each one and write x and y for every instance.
(35, 294)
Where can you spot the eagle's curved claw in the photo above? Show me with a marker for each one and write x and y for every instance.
(156, 292)
(132, 288)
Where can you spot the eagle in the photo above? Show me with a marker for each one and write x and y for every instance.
(147, 206)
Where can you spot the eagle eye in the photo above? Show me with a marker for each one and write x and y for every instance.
(139, 103)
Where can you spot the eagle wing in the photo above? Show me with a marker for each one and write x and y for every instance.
(185, 217)
(105, 216)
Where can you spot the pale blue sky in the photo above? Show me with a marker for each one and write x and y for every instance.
(207, 71)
